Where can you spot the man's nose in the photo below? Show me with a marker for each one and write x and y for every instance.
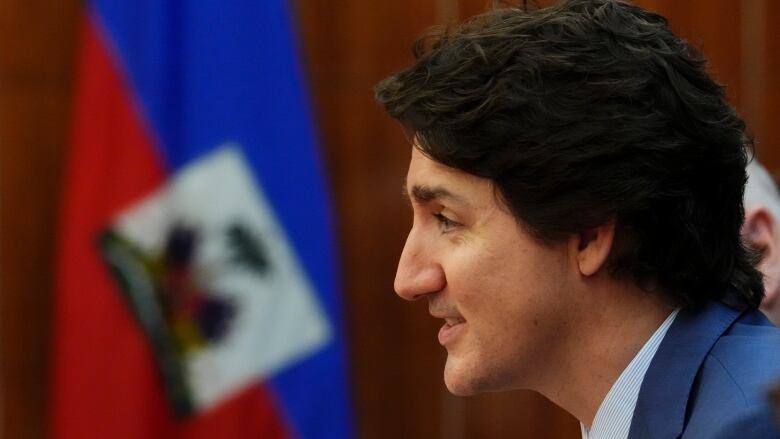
(419, 272)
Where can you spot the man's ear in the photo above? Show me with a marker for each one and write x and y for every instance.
(760, 233)
(592, 247)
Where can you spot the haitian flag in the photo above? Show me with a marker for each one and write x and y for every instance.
(196, 294)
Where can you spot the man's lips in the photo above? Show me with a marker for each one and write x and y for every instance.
(452, 327)
(452, 321)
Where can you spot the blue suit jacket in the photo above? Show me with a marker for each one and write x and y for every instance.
(709, 376)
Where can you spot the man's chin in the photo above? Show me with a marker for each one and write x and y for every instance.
(463, 378)
(459, 390)
(458, 381)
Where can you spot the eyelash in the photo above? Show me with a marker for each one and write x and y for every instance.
(445, 223)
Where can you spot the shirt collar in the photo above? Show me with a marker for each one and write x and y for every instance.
(613, 418)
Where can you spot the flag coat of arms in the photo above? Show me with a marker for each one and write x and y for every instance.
(196, 294)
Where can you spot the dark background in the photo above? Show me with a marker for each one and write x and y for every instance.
(348, 45)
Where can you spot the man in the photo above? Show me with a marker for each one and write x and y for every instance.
(762, 209)
(576, 181)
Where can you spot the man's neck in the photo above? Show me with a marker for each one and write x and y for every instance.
(614, 325)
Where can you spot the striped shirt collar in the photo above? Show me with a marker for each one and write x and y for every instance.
(613, 418)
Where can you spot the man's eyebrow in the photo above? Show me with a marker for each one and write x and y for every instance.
(423, 194)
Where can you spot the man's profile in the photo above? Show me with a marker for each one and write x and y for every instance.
(576, 179)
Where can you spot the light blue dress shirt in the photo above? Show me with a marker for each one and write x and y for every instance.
(613, 418)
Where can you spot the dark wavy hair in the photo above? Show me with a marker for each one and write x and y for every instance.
(587, 112)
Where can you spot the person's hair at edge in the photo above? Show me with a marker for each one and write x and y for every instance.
(587, 112)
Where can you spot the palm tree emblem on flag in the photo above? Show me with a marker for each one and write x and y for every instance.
(220, 306)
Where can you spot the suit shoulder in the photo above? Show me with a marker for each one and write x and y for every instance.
(748, 353)
(735, 375)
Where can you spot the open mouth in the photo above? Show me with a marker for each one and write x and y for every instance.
(449, 332)
(452, 321)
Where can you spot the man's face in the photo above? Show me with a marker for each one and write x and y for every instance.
(502, 294)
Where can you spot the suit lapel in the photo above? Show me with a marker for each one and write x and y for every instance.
(663, 396)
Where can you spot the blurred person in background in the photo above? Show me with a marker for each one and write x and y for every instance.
(576, 180)
(762, 209)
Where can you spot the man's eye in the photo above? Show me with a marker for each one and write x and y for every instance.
(445, 223)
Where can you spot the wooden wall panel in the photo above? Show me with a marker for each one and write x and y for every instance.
(766, 91)
(36, 58)
(770, 135)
